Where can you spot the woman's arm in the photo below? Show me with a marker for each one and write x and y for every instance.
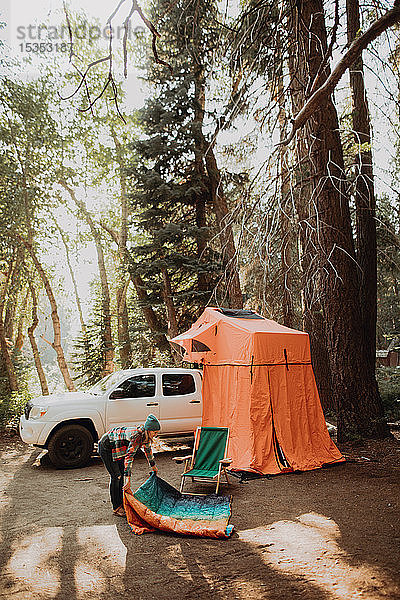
(147, 449)
(134, 445)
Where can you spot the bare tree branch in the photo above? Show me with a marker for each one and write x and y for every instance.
(319, 96)
(112, 232)
(109, 58)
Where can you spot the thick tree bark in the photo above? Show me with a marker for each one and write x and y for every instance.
(359, 408)
(54, 316)
(105, 290)
(286, 265)
(34, 346)
(313, 322)
(328, 84)
(366, 245)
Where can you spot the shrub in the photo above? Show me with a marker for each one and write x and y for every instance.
(12, 403)
(389, 386)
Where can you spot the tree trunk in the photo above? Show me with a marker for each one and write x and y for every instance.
(9, 367)
(73, 278)
(284, 212)
(12, 378)
(199, 150)
(223, 216)
(201, 242)
(286, 265)
(105, 291)
(149, 315)
(169, 303)
(34, 346)
(54, 316)
(12, 296)
(364, 192)
(19, 340)
(171, 313)
(313, 322)
(359, 408)
(125, 347)
(323, 87)
(217, 196)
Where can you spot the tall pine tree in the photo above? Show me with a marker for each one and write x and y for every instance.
(177, 260)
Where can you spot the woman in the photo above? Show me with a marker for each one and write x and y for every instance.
(117, 449)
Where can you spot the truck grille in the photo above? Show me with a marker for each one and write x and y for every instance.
(27, 409)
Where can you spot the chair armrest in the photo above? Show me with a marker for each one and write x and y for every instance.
(225, 462)
(181, 459)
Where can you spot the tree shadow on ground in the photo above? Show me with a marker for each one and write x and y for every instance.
(59, 539)
(187, 567)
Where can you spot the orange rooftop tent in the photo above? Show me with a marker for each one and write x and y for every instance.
(258, 381)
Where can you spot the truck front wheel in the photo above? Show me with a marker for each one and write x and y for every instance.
(70, 447)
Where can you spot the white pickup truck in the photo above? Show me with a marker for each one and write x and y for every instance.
(69, 424)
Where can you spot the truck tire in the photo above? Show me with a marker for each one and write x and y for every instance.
(70, 447)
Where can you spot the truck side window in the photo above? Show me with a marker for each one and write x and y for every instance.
(178, 384)
(140, 386)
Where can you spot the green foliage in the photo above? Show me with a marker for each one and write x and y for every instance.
(389, 386)
(145, 352)
(170, 192)
(88, 354)
(12, 403)
(388, 241)
(28, 140)
(258, 36)
(11, 207)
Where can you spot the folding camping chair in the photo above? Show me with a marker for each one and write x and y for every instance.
(208, 461)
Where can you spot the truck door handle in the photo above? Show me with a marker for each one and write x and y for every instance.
(152, 404)
(194, 402)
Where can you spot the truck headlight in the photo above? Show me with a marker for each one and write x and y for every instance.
(37, 412)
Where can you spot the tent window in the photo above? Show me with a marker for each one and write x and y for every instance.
(240, 314)
(178, 348)
(199, 346)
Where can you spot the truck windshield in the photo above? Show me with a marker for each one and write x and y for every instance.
(102, 386)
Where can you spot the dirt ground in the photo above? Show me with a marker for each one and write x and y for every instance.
(327, 534)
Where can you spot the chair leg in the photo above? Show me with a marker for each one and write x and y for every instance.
(226, 477)
(218, 479)
(182, 483)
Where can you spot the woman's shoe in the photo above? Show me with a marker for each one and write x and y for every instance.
(120, 512)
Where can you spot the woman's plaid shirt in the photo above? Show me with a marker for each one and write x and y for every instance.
(125, 442)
